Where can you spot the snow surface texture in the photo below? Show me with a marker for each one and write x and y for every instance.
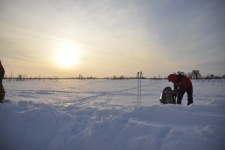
(103, 115)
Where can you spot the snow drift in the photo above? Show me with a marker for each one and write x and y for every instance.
(102, 114)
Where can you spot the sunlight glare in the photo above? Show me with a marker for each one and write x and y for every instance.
(67, 56)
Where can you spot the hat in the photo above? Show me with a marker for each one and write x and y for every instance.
(172, 77)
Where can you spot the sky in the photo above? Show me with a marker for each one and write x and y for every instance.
(103, 38)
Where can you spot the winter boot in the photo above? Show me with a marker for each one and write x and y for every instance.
(189, 102)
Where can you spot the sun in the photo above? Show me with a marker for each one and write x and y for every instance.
(66, 55)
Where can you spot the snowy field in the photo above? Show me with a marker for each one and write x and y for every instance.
(103, 115)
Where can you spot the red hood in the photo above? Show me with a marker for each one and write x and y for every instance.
(172, 77)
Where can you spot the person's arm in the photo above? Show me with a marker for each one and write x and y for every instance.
(175, 85)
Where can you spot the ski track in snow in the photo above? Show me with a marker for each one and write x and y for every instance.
(103, 114)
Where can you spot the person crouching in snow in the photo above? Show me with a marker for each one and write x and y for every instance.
(182, 84)
(2, 73)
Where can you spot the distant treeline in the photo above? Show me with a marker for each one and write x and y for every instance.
(195, 74)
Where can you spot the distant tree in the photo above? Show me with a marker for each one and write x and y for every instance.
(39, 77)
(114, 77)
(19, 77)
(189, 75)
(80, 77)
(90, 77)
(223, 76)
(217, 77)
(210, 76)
(122, 77)
(196, 74)
(24, 76)
(180, 73)
(10, 77)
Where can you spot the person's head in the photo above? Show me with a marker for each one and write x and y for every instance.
(172, 77)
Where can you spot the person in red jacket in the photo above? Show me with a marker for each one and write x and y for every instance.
(182, 84)
(2, 73)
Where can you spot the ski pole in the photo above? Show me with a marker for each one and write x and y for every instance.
(138, 90)
(140, 86)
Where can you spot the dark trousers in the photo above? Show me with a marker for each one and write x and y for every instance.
(1, 76)
(189, 95)
(2, 90)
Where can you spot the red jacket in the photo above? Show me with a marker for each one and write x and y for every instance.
(180, 81)
(2, 70)
(1, 67)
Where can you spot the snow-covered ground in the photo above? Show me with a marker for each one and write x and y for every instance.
(103, 115)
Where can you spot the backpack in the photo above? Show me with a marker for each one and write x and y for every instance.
(167, 96)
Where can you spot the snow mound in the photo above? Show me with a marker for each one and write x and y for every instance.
(102, 114)
(29, 125)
